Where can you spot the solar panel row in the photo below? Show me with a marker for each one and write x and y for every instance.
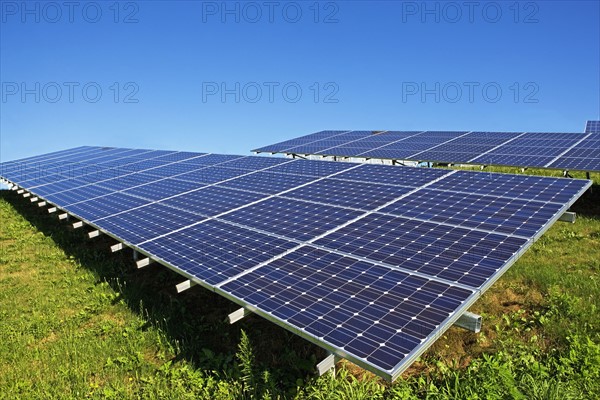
(369, 261)
(567, 151)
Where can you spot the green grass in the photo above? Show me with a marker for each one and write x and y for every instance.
(77, 321)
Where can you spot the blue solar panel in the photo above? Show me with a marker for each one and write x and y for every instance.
(523, 149)
(511, 160)
(283, 146)
(538, 188)
(104, 206)
(403, 176)
(78, 195)
(358, 195)
(293, 219)
(458, 255)
(162, 189)
(592, 127)
(312, 168)
(212, 200)
(495, 214)
(361, 308)
(146, 223)
(211, 175)
(126, 181)
(213, 159)
(214, 251)
(267, 182)
(371, 262)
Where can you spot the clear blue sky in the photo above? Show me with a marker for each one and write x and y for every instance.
(162, 68)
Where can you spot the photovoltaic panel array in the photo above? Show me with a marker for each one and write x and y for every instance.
(370, 262)
(566, 151)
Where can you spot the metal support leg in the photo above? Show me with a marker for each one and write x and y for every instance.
(117, 247)
(185, 285)
(143, 262)
(469, 321)
(238, 315)
(568, 217)
(328, 364)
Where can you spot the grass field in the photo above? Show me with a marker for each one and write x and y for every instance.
(77, 321)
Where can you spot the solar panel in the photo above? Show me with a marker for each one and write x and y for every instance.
(592, 127)
(371, 262)
(558, 150)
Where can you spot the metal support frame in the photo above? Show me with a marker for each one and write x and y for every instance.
(568, 216)
(523, 169)
(93, 234)
(77, 224)
(185, 285)
(469, 321)
(238, 315)
(135, 255)
(116, 247)
(328, 364)
(587, 174)
(566, 174)
(41, 204)
(482, 167)
(143, 262)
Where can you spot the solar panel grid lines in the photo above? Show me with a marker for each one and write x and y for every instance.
(497, 147)
(254, 202)
(129, 187)
(524, 149)
(330, 289)
(416, 133)
(441, 144)
(306, 139)
(33, 165)
(359, 217)
(567, 150)
(592, 127)
(199, 188)
(74, 173)
(46, 157)
(379, 136)
(346, 139)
